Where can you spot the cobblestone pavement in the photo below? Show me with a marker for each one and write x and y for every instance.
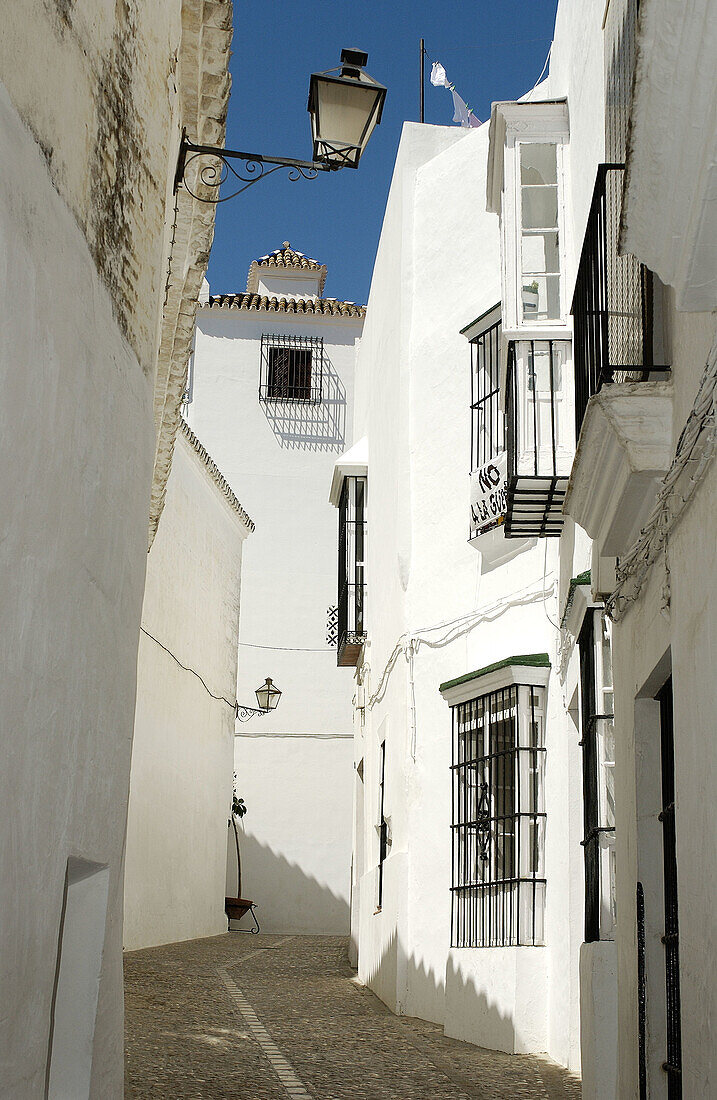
(269, 1017)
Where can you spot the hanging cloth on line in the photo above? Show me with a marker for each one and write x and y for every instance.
(462, 113)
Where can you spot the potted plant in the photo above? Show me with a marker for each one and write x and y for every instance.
(236, 908)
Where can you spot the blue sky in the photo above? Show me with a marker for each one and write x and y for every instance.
(491, 50)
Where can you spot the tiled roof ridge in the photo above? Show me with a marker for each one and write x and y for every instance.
(215, 473)
(323, 306)
(287, 257)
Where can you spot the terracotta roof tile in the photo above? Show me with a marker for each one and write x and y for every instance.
(286, 257)
(215, 473)
(327, 307)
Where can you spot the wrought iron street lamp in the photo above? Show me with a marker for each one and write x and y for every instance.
(267, 696)
(345, 105)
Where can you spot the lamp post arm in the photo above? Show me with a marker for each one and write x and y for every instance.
(255, 166)
(245, 713)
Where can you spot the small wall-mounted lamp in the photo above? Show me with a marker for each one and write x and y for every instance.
(345, 105)
(267, 696)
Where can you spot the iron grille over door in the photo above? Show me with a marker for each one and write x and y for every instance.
(673, 1062)
(498, 884)
(352, 556)
(292, 368)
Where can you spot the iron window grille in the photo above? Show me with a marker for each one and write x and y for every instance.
(352, 557)
(598, 749)
(539, 438)
(612, 304)
(487, 417)
(382, 825)
(498, 874)
(292, 368)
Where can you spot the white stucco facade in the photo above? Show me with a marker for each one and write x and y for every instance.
(277, 455)
(183, 748)
(450, 608)
(439, 610)
(92, 102)
(295, 839)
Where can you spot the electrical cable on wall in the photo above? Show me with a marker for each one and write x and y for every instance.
(287, 648)
(695, 450)
(219, 698)
(410, 642)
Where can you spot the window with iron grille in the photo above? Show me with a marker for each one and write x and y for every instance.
(598, 746)
(352, 557)
(292, 368)
(498, 884)
(487, 417)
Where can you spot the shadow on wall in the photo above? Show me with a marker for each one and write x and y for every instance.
(319, 427)
(408, 988)
(287, 899)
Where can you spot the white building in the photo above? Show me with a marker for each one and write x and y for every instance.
(535, 905)
(101, 269)
(271, 396)
(446, 623)
(183, 747)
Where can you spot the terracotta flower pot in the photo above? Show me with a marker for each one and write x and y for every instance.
(236, 908)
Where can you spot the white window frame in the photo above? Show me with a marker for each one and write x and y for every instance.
(513, 125)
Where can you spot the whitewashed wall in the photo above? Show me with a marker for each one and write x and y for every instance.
(182, 756)
(279, 468)
(296, 836)
(666, 219)
(77, 446)
(92, 102)
(437, 268)
(652, 640)
(279, 460)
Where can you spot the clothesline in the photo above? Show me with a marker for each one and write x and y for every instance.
(462, 112)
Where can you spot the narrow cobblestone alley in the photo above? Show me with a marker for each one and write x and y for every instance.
(265, 1017)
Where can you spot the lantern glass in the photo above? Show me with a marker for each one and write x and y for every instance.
(345, 108)
(268, 695)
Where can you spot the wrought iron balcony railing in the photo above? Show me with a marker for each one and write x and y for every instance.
(612, 303)
(540, 441)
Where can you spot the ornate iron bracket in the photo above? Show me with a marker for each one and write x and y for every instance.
(245, 713)
(483, 822)
(254, 167)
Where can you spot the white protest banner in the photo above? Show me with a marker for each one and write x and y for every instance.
(488, 495)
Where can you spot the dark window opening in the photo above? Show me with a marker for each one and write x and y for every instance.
(352, 557)
(498, 880)
(291, 368)
(597, 742)
(672, 1065)
(382, 826)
